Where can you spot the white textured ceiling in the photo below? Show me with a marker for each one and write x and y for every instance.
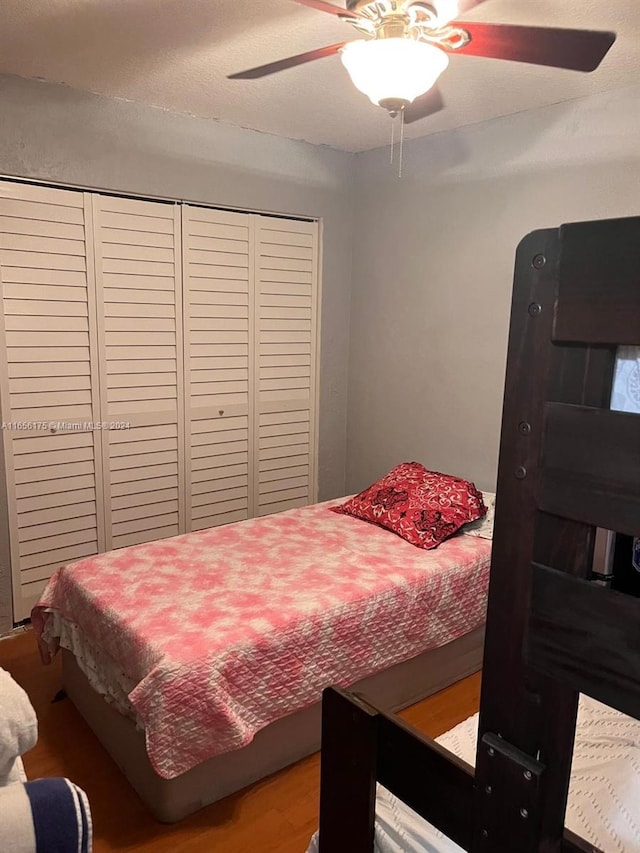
(176, 54)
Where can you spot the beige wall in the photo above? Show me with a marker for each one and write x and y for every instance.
(433, 267)
(54, 133)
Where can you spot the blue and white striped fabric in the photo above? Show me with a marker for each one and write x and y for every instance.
(45, 816)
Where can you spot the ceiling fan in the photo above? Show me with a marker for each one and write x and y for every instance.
(407, 43)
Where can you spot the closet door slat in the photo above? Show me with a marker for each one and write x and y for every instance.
(139, 291)
(218, 312)
(48, 384)
(286, 362)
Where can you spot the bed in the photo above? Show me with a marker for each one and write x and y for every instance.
(603, 795)
(197, 687)
(569, 465)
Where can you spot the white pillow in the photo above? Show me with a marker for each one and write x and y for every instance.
(483, 527)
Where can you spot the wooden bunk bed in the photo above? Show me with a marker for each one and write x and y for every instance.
(568, 465)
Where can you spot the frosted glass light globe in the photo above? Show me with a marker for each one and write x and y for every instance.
(393, 69)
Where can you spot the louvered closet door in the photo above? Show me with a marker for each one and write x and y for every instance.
(286, 335)
(138, 276)
(218, 307)
(54, 486)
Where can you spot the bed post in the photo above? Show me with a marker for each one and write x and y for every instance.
(347, 773)
(511, 709)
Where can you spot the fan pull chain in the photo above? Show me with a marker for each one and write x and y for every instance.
(393, 128)
(393, 140)
(401, 143)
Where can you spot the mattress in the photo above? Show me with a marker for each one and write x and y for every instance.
(213, 635)
(603, 794)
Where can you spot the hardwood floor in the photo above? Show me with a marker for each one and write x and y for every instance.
(280, 812)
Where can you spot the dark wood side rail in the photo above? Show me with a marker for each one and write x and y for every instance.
(587, 636)
(567, 465)
(581, 482)
(428, 778)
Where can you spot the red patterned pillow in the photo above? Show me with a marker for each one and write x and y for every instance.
(424, 507)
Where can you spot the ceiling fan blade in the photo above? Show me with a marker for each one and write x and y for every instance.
(580, 50)
(321, 6)
(289, 62)
(424, 105)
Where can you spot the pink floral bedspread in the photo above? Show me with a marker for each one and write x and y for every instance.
(225, 630)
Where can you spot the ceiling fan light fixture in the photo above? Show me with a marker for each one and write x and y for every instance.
(393, 71)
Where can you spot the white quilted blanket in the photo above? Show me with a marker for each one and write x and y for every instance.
(603, 798)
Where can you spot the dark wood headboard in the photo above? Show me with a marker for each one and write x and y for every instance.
(567, 466)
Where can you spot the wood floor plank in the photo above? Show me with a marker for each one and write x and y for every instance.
(281, 811)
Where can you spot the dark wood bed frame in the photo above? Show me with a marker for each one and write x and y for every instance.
(567, 466)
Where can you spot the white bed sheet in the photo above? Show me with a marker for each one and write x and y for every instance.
(604, 795)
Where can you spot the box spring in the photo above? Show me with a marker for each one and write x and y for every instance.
(276, 746)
